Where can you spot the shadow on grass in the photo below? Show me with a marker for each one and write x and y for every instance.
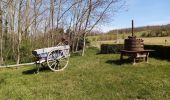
(34, 71)
(119, 62)
(160, 58)
(99, 53)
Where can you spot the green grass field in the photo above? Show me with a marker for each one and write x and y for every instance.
(92, 77)
(149, 40)
(96, 42)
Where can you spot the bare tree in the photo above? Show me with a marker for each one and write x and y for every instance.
(92, 13)
(96, 22)
(1, 35)
(27, 18)
(37, 20)
(51, 22)
(19, 30)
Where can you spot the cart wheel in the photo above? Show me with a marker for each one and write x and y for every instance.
(56, 61)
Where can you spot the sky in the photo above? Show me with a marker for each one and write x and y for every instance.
(143, 12)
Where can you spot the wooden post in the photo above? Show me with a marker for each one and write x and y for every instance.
(146, 58)
(132, 28)
(121, 56)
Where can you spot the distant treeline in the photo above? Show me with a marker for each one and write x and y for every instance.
(147, 31)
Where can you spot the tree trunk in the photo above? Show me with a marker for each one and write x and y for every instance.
(19, 32)
(84, 44)
(27, 10)
(12, 29)
(77, 44)
(86, 24)
(58, 13)
(1, 36)
(52, 21)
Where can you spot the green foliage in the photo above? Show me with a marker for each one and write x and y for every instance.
(156, 33)
(106, 37)
(144, 34)
(10, 54)
(81, 43)
(111, 48)
(93, 38)
(123, 36)
(145, 31)
(26, 51)
(160, 52)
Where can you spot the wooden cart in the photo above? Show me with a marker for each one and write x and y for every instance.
(56, 58)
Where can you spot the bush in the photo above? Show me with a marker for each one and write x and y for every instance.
(161, 52)
(26, 52)
(144, 34)
(81, 43)
(155, 33)
(111, 48)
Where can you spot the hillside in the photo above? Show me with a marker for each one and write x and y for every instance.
(143, 28)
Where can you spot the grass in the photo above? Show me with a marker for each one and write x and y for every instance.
(149, 41)
(92, 77)
(157, 40)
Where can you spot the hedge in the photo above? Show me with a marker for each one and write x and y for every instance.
(161, 52)
(111, 48)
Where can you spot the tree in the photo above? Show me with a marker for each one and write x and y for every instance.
(39, 23)
(1, 35)
(92, 13)
(19, 30)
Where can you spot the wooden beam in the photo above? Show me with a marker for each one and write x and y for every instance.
(24, 64)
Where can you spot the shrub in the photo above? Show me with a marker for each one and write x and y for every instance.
(111, 48)
(161, 52)
(81, 43)
(144, 34)
(26, 52)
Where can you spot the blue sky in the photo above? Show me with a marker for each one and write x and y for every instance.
(143, 12)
